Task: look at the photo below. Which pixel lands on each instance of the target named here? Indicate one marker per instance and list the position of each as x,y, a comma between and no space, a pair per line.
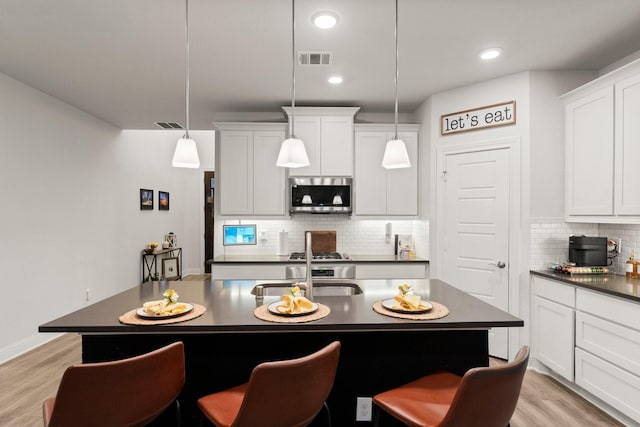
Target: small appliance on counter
587,251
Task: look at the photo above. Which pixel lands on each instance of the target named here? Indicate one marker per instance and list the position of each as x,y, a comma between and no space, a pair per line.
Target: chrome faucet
308,256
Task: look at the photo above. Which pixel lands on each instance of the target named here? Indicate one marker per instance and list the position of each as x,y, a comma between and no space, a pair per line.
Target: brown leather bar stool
280,393
485,396
127,392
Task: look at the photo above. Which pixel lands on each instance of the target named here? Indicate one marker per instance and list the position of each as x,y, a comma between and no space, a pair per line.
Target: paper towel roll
283,243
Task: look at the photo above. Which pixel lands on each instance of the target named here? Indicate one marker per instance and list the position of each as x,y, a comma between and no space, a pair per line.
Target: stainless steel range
320,256
331,265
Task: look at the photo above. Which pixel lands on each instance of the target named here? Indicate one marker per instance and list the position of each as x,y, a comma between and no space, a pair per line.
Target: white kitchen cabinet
248,271
327,134
553,335
589,139
602,133
608,350
379,191
248,180
392,270
627,146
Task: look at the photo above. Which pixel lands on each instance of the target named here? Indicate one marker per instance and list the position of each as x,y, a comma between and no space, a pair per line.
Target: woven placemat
438,311
131,318
263,313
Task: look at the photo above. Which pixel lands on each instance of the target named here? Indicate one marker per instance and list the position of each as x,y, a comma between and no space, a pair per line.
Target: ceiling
124,60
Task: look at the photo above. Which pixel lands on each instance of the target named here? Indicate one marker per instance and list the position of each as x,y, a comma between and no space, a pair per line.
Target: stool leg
326,407
376,415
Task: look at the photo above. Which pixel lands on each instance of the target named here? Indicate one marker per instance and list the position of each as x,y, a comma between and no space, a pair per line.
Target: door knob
498,264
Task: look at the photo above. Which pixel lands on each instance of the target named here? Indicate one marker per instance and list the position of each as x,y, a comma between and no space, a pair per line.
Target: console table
150,263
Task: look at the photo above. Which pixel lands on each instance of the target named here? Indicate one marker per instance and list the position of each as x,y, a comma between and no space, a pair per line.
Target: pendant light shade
395,152
186,154
292,152
395,155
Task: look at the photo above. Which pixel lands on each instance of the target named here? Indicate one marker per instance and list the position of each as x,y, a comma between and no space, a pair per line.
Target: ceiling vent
169,125
315,58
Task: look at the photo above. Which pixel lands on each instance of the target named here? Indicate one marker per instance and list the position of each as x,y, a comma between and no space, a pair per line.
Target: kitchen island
223,344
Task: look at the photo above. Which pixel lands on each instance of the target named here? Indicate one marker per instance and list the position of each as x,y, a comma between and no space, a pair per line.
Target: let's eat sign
478,118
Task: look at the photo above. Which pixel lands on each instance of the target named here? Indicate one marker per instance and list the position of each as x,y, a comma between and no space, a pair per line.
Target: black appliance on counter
588,251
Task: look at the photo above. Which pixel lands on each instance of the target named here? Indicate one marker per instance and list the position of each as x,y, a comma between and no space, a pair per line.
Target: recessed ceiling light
335,80
491,53
324,20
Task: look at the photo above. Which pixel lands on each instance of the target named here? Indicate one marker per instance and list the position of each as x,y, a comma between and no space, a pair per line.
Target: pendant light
292,152
395,153
186,154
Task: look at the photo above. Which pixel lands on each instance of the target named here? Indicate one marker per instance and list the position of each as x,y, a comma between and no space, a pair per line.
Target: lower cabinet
397,270
247,271
589,338
554,320
608,350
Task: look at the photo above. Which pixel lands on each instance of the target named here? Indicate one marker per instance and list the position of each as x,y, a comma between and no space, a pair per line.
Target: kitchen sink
320,289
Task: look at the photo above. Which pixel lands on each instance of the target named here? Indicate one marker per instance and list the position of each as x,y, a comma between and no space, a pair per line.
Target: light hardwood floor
31,378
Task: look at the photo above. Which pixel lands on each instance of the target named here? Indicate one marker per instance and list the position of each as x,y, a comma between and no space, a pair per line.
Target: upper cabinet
379,191
327,134
602,149
248,180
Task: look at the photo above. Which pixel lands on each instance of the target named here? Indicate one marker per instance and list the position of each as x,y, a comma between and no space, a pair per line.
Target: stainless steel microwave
323,195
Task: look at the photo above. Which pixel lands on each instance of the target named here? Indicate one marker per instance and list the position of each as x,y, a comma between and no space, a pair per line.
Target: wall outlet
364,408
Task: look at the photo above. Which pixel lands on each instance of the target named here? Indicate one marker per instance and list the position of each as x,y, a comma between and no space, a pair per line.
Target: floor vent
169,125
315,58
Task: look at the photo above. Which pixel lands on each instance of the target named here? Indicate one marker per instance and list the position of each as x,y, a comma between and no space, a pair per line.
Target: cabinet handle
498,264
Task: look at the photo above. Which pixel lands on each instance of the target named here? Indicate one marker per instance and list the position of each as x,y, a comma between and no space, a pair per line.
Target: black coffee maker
588,251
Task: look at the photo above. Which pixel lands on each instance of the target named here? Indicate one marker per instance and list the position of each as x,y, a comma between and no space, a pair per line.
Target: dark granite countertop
269,259
230,308
611,284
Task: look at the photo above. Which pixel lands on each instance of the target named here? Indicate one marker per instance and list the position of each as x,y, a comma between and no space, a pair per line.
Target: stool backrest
289,392
488,395
128,392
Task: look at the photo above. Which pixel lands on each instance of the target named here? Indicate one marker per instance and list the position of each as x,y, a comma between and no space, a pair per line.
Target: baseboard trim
26,344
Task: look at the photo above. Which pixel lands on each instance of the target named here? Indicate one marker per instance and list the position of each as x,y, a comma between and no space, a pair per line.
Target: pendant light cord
396,81
186,32
293,68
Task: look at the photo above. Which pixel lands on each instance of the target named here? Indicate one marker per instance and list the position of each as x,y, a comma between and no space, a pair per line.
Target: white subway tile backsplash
550,240
352,236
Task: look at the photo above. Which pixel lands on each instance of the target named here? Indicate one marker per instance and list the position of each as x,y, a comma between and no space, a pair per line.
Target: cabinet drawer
612,342
613,385
610,308
399,270
555,291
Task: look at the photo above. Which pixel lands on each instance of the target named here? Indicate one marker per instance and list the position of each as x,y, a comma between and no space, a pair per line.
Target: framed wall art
146,199
163,201
170,268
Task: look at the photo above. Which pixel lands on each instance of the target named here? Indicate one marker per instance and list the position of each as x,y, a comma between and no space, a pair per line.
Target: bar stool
484,396
127,392
280,393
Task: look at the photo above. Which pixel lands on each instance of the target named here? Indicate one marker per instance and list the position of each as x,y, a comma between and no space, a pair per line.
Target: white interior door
475,248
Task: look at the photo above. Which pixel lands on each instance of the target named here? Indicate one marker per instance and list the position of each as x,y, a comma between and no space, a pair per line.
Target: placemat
131,318
263,313
438,311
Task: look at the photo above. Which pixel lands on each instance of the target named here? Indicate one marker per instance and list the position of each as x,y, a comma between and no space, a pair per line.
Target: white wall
69,203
